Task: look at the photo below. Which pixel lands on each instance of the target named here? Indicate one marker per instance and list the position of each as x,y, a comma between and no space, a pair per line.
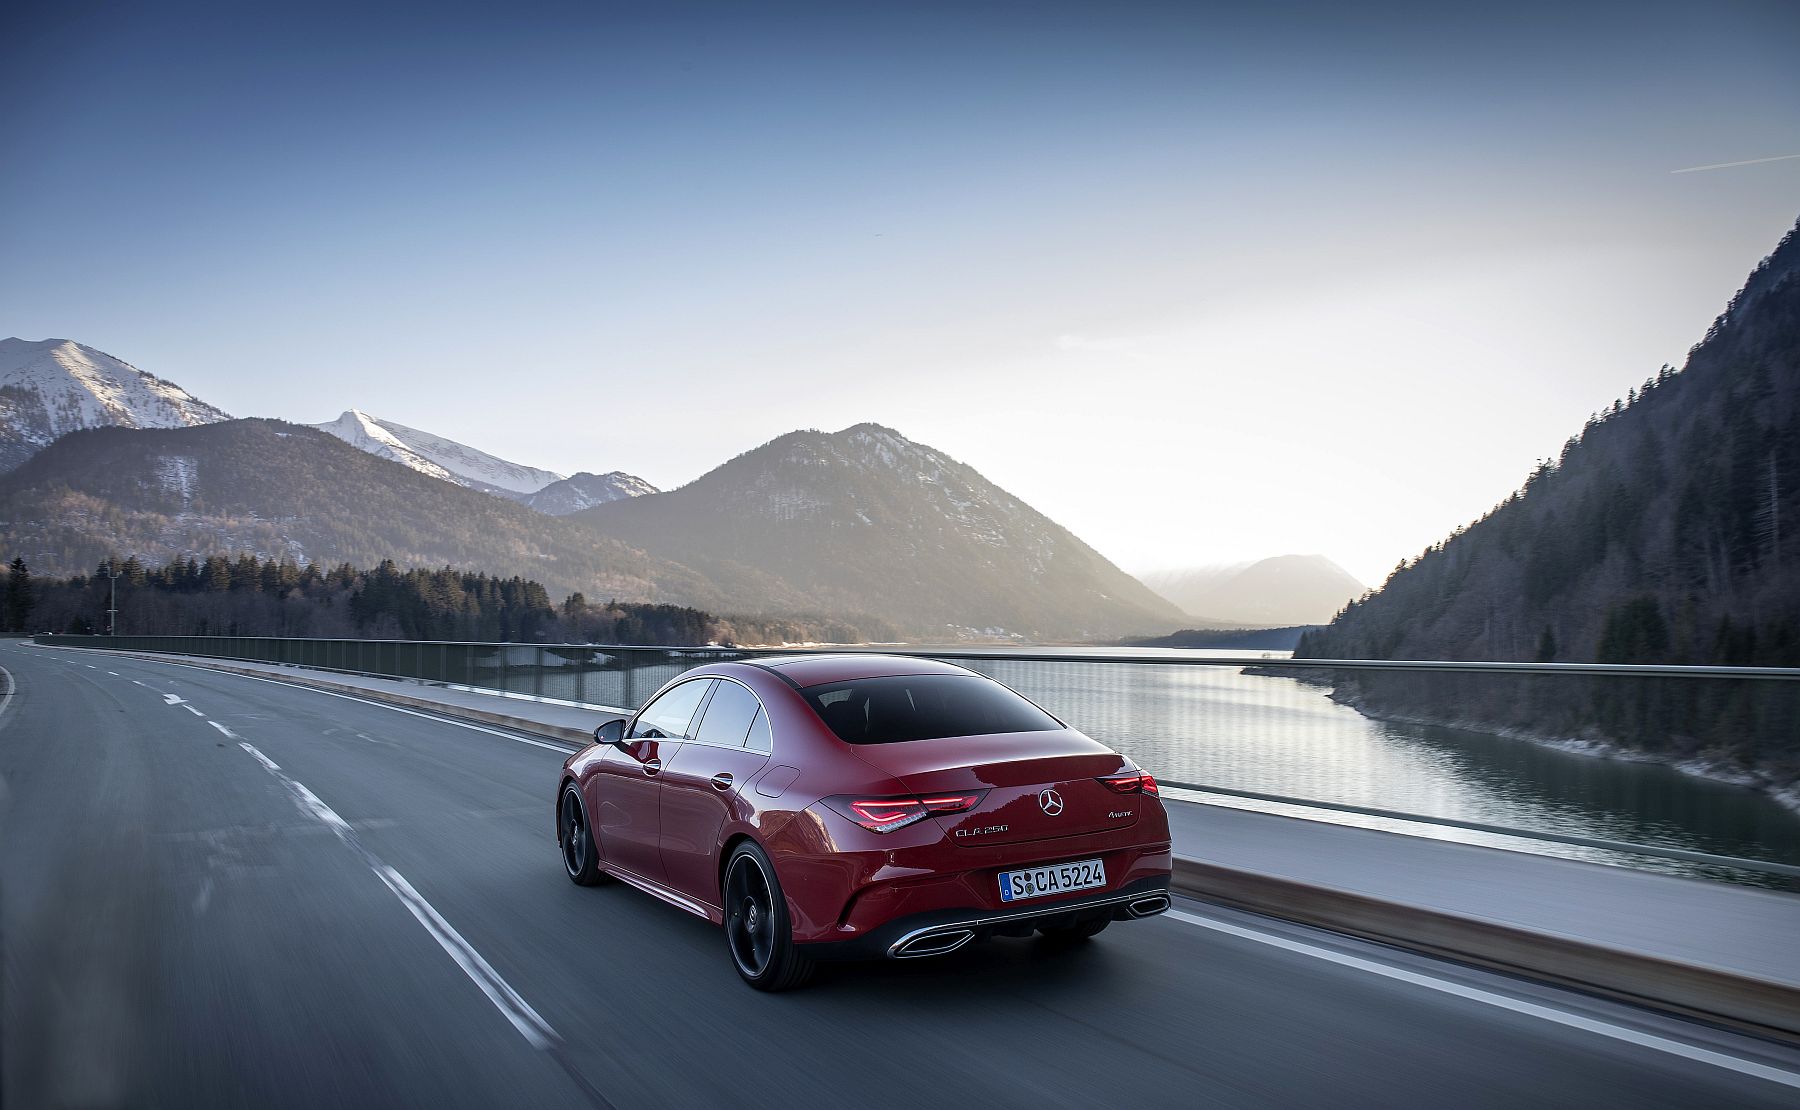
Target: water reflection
1219,726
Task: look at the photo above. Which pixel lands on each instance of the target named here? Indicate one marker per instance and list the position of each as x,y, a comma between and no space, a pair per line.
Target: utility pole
112,613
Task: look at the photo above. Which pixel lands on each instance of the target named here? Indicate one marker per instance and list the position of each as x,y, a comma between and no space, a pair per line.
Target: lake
1217,726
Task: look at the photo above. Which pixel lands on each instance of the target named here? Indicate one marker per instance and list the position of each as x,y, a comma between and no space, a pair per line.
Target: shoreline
1786,795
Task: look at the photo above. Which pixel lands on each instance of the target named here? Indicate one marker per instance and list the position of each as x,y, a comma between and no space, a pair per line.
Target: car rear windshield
923,707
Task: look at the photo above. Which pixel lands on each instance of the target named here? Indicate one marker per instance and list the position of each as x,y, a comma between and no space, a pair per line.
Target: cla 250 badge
981,832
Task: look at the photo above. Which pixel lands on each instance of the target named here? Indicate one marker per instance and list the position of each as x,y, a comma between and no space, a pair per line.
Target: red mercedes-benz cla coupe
828,807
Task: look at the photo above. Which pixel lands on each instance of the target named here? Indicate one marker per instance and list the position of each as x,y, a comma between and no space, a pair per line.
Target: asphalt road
225,891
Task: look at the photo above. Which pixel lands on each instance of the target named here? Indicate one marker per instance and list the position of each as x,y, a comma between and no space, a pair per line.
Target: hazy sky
1200,284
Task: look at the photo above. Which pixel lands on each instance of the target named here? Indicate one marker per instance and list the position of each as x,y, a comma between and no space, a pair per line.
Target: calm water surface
1218,726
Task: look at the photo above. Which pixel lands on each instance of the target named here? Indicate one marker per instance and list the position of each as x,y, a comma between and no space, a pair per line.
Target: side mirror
612,732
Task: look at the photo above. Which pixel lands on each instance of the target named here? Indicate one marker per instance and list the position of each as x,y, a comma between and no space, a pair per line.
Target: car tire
758,932
581,860
1079,931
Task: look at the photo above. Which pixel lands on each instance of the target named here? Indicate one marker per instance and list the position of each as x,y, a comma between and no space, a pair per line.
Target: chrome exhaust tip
1148,906
932,944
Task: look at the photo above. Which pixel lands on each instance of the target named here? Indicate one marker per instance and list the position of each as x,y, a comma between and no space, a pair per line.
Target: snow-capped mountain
584,491
51,387
439,457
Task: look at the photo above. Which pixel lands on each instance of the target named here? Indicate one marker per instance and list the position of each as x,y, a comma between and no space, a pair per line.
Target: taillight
1131,782
953,803
884,815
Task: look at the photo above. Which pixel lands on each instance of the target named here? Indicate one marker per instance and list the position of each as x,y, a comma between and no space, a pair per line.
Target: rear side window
728,716
923,707
760,738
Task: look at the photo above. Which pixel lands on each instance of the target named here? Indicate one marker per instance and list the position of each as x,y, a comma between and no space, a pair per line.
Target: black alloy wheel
580,859
757,929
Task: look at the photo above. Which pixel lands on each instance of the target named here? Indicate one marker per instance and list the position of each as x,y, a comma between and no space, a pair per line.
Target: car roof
817,670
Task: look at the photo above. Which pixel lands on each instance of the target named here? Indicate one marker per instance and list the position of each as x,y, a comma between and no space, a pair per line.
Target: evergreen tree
1546,649
19,598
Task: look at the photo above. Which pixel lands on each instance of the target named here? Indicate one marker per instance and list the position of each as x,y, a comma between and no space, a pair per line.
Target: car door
626,793
700,788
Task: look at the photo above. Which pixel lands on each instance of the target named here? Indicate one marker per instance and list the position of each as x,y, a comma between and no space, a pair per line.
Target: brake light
1131,782
954,803
884,815
887,814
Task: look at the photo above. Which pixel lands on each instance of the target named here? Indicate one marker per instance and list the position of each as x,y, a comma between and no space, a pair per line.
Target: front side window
923,707
670,715
728,716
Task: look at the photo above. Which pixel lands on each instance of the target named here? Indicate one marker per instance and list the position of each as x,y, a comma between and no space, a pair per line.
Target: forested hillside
1667,531
276,489
247,596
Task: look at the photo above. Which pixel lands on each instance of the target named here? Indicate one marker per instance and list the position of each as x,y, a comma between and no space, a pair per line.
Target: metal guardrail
626,675
1737,862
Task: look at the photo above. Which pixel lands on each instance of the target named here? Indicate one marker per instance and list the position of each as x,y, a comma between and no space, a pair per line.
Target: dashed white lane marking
566,749
194,711
536,1031
1516,1005
230,735
115,674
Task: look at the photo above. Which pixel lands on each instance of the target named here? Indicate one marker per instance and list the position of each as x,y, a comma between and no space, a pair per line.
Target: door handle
722,781
652,766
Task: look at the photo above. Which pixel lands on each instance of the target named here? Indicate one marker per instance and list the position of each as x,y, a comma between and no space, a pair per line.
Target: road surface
219,890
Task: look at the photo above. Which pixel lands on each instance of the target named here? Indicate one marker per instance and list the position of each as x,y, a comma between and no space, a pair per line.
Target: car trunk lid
1039,785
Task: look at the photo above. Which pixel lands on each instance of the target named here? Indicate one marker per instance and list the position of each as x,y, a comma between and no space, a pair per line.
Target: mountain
1278,592
867,521
272,488
584,491
1668,531
55,386
441,458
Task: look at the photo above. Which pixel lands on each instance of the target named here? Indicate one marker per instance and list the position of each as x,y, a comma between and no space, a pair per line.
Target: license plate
1038,882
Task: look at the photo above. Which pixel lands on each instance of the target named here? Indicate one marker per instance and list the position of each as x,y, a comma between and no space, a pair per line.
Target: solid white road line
536,1031
1517,1006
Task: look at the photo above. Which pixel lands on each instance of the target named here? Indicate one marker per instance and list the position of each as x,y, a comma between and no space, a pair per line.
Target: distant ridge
1282,591
584,491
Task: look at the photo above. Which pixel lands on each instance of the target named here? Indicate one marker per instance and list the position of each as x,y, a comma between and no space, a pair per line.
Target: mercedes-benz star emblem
1051,802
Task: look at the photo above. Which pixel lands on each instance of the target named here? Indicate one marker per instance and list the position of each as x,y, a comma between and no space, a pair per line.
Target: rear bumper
938,932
